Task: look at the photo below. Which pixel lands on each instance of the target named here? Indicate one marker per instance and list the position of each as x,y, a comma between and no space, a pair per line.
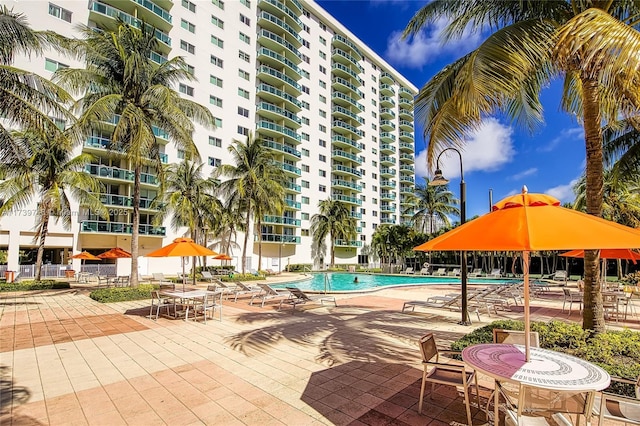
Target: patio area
66,359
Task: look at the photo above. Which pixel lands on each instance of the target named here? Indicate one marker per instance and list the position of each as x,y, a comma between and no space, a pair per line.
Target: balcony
405,103
347,44
356,215
267,127
387,160
340,55
293,204
346,100
281,220
122,201
387,125
339,111
386,148
114,173
289,168
273,41
406,125
338,183
89,226
406,114
345,128
387,195
405,93
405,178
343,154
387,137
347,72
406,158
272,22
279,238
405,200
268,92
339,83
347,199
292,186
388,184
387,78
339,140
269,56
406,189
387,113
339,169
279,8
158,132
285,149
406,146
387,208
388,220
406,136
387,101
406,168
275,113
347,243
276,78
386,172
387,90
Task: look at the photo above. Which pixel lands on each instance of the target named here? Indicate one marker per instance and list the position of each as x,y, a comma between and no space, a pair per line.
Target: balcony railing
121,228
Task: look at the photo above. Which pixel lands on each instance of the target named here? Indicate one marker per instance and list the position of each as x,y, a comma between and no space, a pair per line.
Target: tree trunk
593,313
135,227
259,225
44,229
194,237
246,240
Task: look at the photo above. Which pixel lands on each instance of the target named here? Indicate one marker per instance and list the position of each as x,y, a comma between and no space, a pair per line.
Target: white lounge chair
424,271
559,276
476,273
454,272
269,293
495,273
409,270
299,297
440,272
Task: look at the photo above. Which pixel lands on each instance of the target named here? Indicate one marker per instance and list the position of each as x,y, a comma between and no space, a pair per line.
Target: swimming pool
341,281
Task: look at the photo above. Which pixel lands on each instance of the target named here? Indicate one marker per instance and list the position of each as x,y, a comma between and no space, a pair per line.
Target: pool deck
66,359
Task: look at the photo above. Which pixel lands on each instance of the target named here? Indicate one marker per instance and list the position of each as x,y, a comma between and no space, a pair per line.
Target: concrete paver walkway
66,359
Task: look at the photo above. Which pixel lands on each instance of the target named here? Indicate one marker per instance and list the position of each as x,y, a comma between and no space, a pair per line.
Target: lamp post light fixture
438,180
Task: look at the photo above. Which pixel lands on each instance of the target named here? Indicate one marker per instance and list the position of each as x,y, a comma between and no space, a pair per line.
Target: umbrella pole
183,278
527,319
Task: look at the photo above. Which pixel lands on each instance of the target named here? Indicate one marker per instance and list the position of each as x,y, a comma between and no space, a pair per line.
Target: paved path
66,359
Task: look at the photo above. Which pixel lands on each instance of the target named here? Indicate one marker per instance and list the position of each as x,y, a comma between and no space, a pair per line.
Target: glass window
322,188
217,61
215,101
245,38
217,21
305,184
244,74
322,173
215,80
243,93
245,20
51,65
213,141
217,121
305,168
184,89
215,162
59,12
217,41
219,3
305,200
244,56
243,112
246,3
305,152
243,130
189,6
188,26
187,47
304,216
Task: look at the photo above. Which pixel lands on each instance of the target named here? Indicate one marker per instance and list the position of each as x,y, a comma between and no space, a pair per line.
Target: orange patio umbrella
115,253
84,255
182,247
527,222
625,254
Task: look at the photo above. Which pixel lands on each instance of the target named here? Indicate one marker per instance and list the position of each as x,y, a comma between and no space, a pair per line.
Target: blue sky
500,156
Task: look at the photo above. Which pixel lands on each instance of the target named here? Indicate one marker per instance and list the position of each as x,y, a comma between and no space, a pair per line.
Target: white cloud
525,173
487,150
564,193
426,46
574,133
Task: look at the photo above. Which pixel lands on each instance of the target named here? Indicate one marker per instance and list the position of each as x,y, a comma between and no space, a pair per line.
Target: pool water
340,281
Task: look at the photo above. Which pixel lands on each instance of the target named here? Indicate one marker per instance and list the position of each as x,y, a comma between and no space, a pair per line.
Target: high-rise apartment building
338,118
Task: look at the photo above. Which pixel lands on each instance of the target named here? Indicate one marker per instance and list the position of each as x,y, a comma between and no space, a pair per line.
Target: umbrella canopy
223,256
526,222
625,254
115,253
182,247
85,255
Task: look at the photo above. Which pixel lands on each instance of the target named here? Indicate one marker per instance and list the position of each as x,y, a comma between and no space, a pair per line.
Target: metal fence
59,270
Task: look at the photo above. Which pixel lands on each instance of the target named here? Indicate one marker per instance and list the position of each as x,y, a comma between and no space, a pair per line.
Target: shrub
631,279
617,352
27,285
299,267
123,294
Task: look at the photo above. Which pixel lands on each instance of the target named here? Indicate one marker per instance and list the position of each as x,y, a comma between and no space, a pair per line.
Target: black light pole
438,180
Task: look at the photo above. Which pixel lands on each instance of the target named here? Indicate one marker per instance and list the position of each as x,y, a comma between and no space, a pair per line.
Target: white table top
190,294
546,369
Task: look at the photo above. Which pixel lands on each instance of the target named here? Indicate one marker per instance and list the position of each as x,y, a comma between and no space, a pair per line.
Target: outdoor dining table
546,369
189,298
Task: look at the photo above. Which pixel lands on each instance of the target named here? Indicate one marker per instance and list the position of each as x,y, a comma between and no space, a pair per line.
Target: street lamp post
438,180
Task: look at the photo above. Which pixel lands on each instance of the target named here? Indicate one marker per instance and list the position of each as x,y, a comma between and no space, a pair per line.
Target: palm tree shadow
10,395
341,336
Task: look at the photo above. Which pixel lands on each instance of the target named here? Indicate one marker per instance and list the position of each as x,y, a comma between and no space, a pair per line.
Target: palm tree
334,220
121,80
189,197
47,171
432,204
255,182
592,44
26,99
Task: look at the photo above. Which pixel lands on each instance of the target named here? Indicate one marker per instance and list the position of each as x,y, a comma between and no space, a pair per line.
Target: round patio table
546,369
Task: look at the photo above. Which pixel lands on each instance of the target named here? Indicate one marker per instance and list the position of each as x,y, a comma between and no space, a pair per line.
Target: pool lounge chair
269,293
559,276
440,272
243,289
299,297
454,272
451,302
476,273
409,270
495,273
424,271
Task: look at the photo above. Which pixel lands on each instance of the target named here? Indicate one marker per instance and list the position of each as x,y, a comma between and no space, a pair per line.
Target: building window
305,152
219,3
305,58
373,175
322,188
188,26
374,91
373,126
244,56
322,69
363,198
51,65
215,162
305,200
373,77
375,213
305,74
323,27
217,61
322,158
306,43
322,54
323,40
59,12
304,232
305,184
243,112
322,173
181,154
322,128
374,163
215,101
246,3
189,6
243,93
187,47
374,188
305,105
322,143
217,41
244,74
374,114
305,89
374,200
217,21
245,20
306,13
306,28
305,136
322,84
190,69
217,122
363,211
213,141
323,99
184,89
322,113
243,131
215,80
245,38
304,216
305,120
305,168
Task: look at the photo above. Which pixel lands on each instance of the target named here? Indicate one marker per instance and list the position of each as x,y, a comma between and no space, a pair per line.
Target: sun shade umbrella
527,222
182,247
625,254
115,253
85,255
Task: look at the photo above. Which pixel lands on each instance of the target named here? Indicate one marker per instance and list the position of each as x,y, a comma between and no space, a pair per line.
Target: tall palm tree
334,220
255,181
593,44
432,204
121,79
188,196
47,171
26,100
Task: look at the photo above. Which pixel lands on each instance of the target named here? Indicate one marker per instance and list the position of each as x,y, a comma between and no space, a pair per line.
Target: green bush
617,352
26,285
299,267
123,294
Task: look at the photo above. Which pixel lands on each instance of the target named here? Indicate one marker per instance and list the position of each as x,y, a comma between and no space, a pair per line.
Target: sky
500,158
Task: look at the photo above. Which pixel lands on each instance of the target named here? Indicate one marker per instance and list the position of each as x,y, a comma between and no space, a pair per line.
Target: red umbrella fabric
85,255
115,253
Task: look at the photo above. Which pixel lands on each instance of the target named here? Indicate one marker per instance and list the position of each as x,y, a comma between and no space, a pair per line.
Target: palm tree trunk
44,229
259,226
194,237
246,240
135,226
593,313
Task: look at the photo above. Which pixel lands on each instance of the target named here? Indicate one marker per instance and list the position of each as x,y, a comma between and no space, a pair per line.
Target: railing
279,22
59,270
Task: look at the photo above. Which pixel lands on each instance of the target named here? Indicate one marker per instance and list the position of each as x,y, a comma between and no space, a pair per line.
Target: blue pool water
340,281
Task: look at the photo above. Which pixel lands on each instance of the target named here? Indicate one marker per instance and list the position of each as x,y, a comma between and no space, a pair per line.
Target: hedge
26,285
617,352
123,294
